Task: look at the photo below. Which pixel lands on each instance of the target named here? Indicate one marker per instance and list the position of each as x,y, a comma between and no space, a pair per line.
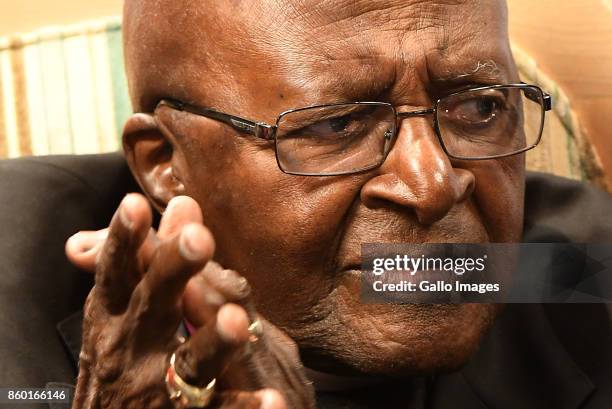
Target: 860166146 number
34,395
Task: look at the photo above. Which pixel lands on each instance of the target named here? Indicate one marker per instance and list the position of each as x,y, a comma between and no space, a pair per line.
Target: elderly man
265,205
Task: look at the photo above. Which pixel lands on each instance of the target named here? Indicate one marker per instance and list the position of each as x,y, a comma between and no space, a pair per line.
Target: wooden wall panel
572,42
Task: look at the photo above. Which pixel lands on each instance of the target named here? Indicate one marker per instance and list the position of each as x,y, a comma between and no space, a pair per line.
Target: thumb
83,248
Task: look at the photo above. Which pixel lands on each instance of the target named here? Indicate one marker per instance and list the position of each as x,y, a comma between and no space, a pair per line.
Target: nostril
373,202
428,216
466,183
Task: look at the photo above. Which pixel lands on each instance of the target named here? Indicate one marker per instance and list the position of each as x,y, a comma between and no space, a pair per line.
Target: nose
418,174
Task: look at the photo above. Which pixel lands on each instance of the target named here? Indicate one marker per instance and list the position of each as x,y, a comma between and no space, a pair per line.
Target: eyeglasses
487,122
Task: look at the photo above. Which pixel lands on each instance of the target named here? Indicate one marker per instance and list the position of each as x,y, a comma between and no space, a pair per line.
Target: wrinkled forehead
337,49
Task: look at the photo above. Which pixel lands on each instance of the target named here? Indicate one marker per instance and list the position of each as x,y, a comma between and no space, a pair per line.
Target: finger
213,347
229,284
118,270
207,291
233,323
261,399
83,248
158,297
201,302
180,211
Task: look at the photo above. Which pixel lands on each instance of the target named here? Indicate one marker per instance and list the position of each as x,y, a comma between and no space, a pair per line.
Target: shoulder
39,186
560,209
44,200
94,172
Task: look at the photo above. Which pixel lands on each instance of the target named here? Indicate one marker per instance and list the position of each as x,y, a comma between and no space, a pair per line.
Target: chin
395,340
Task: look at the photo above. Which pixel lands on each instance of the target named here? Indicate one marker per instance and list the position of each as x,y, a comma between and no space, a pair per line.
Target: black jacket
556,356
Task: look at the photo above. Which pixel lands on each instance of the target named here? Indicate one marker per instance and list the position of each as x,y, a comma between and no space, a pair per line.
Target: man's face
297,239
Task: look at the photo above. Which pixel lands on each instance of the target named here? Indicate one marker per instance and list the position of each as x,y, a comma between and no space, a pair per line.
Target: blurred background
562,44
28,15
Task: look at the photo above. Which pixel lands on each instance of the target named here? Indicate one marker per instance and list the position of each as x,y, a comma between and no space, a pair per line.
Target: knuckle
86,358
130,382
108,368
110,360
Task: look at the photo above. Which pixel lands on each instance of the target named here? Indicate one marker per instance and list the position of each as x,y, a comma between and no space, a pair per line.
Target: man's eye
338,125
331,127
476,111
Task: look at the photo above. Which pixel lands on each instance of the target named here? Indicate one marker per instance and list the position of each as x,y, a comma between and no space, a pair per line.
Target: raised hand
146,283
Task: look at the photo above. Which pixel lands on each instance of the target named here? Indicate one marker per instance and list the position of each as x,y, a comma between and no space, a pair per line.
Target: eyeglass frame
267,131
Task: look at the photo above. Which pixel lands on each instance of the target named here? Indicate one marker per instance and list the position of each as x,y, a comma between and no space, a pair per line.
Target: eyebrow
483,72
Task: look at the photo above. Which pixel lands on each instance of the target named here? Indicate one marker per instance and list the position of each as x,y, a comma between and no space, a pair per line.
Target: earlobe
149,153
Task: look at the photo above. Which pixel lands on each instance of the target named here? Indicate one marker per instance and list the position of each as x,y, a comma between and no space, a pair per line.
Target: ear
149,153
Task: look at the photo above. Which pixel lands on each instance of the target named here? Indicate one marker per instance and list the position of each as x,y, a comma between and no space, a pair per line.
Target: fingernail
232,323
223,331
192,244
269,400
81,243
74,243
76,237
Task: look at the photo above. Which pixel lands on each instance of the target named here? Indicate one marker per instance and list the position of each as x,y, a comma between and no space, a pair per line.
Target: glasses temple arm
546,100
258,129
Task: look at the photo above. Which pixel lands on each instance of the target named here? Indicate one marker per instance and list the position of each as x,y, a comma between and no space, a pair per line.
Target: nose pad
388,141
390,136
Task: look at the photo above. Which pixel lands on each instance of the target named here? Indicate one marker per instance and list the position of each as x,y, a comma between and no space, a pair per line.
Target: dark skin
296,240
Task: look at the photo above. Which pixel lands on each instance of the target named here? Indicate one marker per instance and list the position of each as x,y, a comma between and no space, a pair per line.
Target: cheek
279,231
499,195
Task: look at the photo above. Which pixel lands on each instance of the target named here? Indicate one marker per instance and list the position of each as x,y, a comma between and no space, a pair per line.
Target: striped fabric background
63,90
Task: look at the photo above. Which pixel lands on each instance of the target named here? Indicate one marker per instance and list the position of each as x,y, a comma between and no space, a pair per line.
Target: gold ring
255,331
184,395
